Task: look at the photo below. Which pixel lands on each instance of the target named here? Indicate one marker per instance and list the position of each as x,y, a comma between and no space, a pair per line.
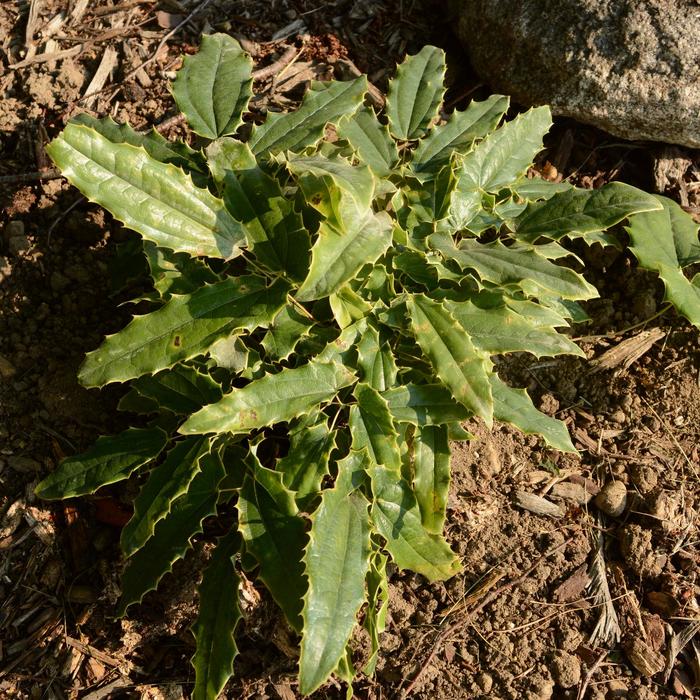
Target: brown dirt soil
518,621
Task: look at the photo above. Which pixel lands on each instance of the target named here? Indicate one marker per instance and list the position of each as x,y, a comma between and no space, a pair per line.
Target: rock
643,657
566,669
571,492
541,689
631,68
644,477
612,499
485,682
616,689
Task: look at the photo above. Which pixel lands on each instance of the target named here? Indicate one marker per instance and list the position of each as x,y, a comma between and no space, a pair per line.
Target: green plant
326,303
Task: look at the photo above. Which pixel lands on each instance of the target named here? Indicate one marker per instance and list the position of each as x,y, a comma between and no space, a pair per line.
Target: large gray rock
631,67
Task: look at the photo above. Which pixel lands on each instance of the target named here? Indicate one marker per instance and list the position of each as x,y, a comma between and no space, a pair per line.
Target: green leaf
514,406
457,363
370,139
213,87
663,241
457,134
338,254
415,93
274,230
167,482
274,535
397,519
176,273
348,306
499,330
286,330
184,327
273,399
172,535
306,463
376,361
505,155
215,626
181,389
424,404
521,266
372,428
110,459
323,103
155,199
377,606
578,212
431,480
535,188
336,562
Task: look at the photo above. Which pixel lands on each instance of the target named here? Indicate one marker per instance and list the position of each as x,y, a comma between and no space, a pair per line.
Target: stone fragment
566,669
612,499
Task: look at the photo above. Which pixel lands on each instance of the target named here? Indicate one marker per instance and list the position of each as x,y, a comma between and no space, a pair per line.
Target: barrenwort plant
328,294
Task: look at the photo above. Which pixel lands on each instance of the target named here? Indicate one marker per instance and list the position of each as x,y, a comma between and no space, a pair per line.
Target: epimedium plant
328,294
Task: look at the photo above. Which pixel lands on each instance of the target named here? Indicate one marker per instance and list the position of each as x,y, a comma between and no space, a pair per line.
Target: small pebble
612,499
485,682
566,669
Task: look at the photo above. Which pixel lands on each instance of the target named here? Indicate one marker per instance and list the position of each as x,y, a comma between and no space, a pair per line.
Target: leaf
499,330
184,327
370,139
505,155
431,480
397,519
154,199
274,535
181,389
213,87
372,429
348,306
110,459
457,363
424,404
524,267
323,103
287,329
578,212
377,606
376,361
172,535
663,241
167,482
457,134
339,254
415,93
306,463
336,562
535,188
274,230
273,399
215,626
514,406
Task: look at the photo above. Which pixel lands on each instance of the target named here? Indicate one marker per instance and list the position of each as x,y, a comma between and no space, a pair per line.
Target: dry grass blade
677,644
607,629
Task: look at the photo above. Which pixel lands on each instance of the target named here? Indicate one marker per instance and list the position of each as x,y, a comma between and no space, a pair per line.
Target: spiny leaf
431,480
377,605
154,199
424,404
348,306
514,406
184,327
213,87
323,103
663,241
397,518
370,139
500,330
578,213
457,363
457,134
376,361
336,562
172,535
372,429
110,459
215,626
176,273
415,93
274,230
167,482
288,327
274,535
272,399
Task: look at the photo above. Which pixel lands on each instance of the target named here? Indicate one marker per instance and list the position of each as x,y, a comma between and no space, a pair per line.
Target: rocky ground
580,576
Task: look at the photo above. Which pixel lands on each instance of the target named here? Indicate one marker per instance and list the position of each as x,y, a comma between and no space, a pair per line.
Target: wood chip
628,351
538,505
108,63
573,587
647,661
571,492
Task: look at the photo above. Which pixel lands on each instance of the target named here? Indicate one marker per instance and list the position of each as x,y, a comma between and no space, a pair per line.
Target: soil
520,620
